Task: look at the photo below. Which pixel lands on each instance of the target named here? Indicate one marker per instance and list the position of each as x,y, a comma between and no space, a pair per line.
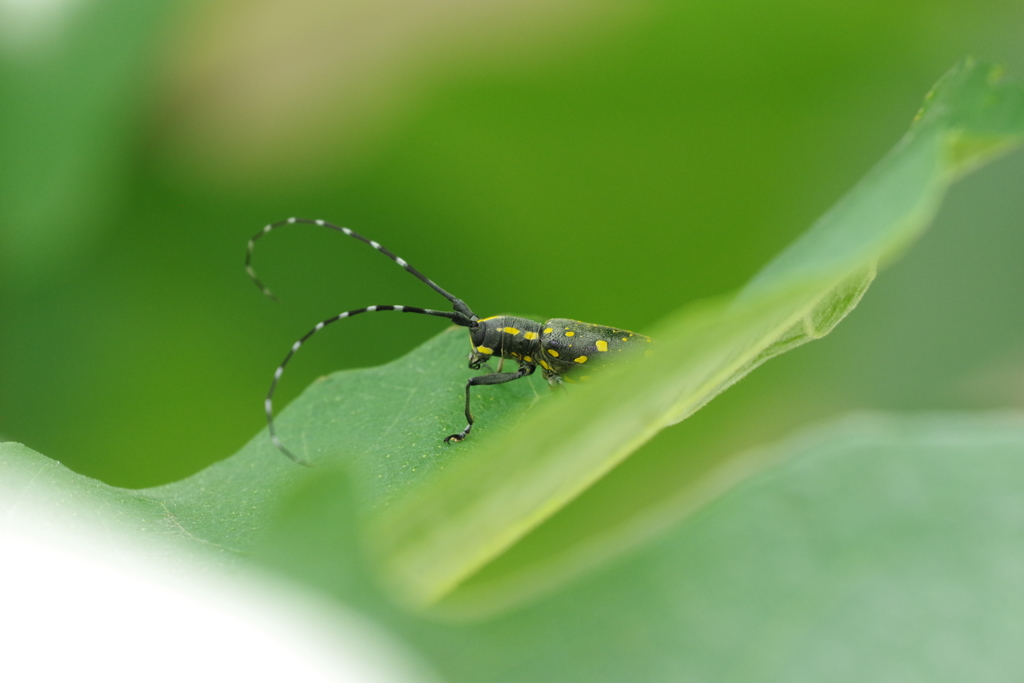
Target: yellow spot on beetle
552,352
544,364
528,359
511,330
624,339
602,345
483,320
531,335
570,334
485,349
548,330
580,359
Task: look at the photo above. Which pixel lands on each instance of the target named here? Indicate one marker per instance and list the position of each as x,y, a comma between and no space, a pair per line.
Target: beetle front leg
525,369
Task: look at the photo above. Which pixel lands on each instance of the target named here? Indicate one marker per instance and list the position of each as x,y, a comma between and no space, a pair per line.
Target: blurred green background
603,161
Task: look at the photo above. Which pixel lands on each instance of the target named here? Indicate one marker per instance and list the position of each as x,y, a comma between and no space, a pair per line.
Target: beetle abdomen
570,346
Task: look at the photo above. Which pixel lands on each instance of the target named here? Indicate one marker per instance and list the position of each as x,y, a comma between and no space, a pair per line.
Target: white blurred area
28,23
71,615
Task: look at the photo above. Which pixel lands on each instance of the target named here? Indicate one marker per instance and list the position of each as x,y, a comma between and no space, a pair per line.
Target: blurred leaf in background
277,92
74,78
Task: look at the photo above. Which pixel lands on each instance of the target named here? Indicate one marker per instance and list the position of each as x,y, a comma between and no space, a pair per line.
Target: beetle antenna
455,317
459,305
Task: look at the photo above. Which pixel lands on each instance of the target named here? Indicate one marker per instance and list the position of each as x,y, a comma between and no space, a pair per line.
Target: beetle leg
525,369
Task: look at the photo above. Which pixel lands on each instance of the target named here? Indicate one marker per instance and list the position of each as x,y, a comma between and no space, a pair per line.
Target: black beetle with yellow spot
566,350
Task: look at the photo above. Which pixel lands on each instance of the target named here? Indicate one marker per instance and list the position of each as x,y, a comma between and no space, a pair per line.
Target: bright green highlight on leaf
432,515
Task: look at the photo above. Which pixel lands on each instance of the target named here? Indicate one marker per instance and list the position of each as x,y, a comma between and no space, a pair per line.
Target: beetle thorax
505,336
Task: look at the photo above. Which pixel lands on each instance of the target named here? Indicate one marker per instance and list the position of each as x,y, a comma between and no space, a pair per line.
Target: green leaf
882,548
479,507
385,424
30,483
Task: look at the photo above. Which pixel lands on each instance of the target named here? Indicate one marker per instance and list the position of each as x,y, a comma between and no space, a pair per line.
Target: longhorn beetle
563,348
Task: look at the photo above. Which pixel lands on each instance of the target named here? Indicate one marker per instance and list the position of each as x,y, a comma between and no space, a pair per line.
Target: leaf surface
884,548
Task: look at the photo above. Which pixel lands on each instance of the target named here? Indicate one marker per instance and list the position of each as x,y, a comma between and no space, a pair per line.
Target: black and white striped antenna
461,315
